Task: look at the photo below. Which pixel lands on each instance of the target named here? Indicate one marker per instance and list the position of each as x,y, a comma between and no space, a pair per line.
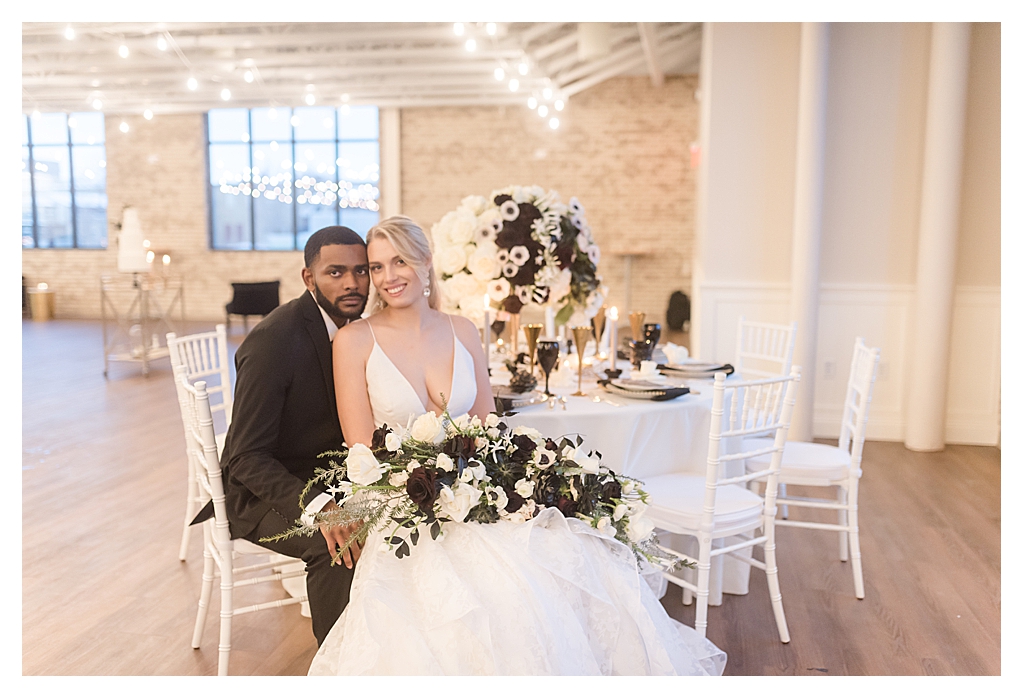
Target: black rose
566,506
380,438
528,212
512,304
460,445
524,447
611,490
422,488
501,198
515,501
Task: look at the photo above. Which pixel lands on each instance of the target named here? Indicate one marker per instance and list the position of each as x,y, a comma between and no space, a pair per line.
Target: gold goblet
636,318
581,336
532,335
598,326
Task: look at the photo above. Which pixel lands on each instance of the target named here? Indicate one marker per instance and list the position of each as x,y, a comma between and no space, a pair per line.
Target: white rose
636,508
525,487
589,464
482,262
638,529
460,285
463,227
481,443
620,511
498,497
456,502
476,204
471,307
392,442
412,465
451,259
492,420
528,431
605,526
561,285
594,254
628,486
498,289
428,429
363,467
445,463
398,479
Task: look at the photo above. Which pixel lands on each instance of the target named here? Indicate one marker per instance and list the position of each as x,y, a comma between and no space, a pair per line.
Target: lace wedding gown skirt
548,597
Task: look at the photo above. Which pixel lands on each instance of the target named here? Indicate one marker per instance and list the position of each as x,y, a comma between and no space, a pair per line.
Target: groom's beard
337,312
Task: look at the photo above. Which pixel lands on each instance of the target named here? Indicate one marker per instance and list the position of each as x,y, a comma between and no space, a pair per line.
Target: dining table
639,438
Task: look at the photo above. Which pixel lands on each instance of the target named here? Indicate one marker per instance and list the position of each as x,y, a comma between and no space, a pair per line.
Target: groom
285,414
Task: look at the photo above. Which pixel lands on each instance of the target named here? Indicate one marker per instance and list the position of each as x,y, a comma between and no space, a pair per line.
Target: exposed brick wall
622,149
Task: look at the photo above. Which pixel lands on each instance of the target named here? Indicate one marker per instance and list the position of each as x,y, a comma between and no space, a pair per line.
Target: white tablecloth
641,438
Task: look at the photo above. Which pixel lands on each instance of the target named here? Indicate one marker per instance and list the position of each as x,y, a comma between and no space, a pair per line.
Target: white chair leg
854,542
687,596
703,585
843,520
204,598
771,563
784,507
226,613
193,493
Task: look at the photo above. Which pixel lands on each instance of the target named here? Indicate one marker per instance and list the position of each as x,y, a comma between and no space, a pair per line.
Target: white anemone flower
510,270
519,255
509,210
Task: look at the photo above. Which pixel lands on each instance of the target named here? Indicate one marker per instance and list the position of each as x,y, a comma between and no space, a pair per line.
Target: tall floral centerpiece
520,246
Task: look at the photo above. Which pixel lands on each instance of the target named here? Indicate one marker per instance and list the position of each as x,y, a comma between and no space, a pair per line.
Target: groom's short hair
331,235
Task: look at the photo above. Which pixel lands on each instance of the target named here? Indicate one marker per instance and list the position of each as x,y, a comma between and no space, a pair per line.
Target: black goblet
652,331
547,356
642,350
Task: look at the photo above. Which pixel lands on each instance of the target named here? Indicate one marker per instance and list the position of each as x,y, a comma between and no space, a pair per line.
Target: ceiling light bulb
459,28
548,93
193,84
531,102
294,121
470,44
248,76
554,122
97,105
225,94
124,127
559,105
542,111
344,97
499,73
513,85
123,51
523,68
491,28
161,43
69,33
148,114
345,109
310,99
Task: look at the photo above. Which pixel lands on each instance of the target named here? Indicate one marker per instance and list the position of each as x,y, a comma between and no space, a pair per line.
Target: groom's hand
338,536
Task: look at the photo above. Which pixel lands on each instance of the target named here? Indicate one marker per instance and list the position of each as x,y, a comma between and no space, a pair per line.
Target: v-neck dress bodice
393,399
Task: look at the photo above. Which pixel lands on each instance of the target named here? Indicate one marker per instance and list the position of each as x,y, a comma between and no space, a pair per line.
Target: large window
279,175
63,181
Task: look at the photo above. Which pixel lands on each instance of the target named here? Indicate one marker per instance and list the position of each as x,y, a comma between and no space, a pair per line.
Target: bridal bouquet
520,246
441,470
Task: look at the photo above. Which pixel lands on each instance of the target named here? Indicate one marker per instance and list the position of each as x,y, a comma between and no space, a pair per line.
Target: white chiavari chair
821,465
203,357
713,507
219,551
763,349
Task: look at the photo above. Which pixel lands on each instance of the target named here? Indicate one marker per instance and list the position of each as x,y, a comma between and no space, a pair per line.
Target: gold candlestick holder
598,326
636,319
513,325
581,336
532,333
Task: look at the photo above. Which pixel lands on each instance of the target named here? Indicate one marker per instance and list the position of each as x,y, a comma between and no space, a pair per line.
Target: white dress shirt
320,500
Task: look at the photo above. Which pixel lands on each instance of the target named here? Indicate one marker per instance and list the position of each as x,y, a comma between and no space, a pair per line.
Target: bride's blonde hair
410,242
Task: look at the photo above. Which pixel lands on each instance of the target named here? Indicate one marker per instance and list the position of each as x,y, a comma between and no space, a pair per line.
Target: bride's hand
338,536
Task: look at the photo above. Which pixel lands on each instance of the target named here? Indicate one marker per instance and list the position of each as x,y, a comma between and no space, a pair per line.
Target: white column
390,162
939,224
806,230
697,337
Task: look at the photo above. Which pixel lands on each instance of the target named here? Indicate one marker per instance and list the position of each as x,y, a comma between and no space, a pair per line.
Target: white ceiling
387,64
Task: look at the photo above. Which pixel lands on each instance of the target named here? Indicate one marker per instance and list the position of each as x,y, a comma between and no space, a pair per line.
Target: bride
545,597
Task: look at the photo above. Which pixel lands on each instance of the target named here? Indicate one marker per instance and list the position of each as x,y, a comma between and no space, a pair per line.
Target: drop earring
426,291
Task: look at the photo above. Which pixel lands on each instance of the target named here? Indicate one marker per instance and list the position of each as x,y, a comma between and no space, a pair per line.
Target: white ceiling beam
624,66
648,38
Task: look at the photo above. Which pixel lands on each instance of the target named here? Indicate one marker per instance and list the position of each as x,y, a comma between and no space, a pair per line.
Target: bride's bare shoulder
464,328
355,337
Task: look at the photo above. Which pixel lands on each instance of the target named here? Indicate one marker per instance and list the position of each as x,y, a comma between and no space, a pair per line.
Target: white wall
877,90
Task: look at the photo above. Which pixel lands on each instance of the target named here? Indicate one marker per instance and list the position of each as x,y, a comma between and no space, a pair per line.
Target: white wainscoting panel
881,313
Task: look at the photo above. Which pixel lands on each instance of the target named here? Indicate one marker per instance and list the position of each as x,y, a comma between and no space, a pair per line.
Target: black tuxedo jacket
284,415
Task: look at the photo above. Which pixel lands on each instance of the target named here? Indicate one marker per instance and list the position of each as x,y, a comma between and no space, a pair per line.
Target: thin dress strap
452,323
370,325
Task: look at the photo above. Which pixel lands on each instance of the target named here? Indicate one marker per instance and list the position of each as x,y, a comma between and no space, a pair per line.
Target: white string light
310,99
248,76
225,94
124,127
513,85
193,84
345,110
123,51
542,111
559,105
459,29
523,68
531,102
69,33
499,73
548,93
161,43
554,123
491,28
470,45
148,114
97,104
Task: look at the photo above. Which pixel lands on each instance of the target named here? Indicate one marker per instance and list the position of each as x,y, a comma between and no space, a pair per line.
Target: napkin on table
676,354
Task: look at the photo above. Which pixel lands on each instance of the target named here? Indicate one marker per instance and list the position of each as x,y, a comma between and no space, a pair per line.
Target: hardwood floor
103,593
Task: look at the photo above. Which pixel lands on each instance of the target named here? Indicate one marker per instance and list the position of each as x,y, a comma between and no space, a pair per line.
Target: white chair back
862,374
204,356
763,349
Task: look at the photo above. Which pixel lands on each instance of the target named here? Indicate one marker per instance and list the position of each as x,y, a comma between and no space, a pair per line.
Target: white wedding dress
547,597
